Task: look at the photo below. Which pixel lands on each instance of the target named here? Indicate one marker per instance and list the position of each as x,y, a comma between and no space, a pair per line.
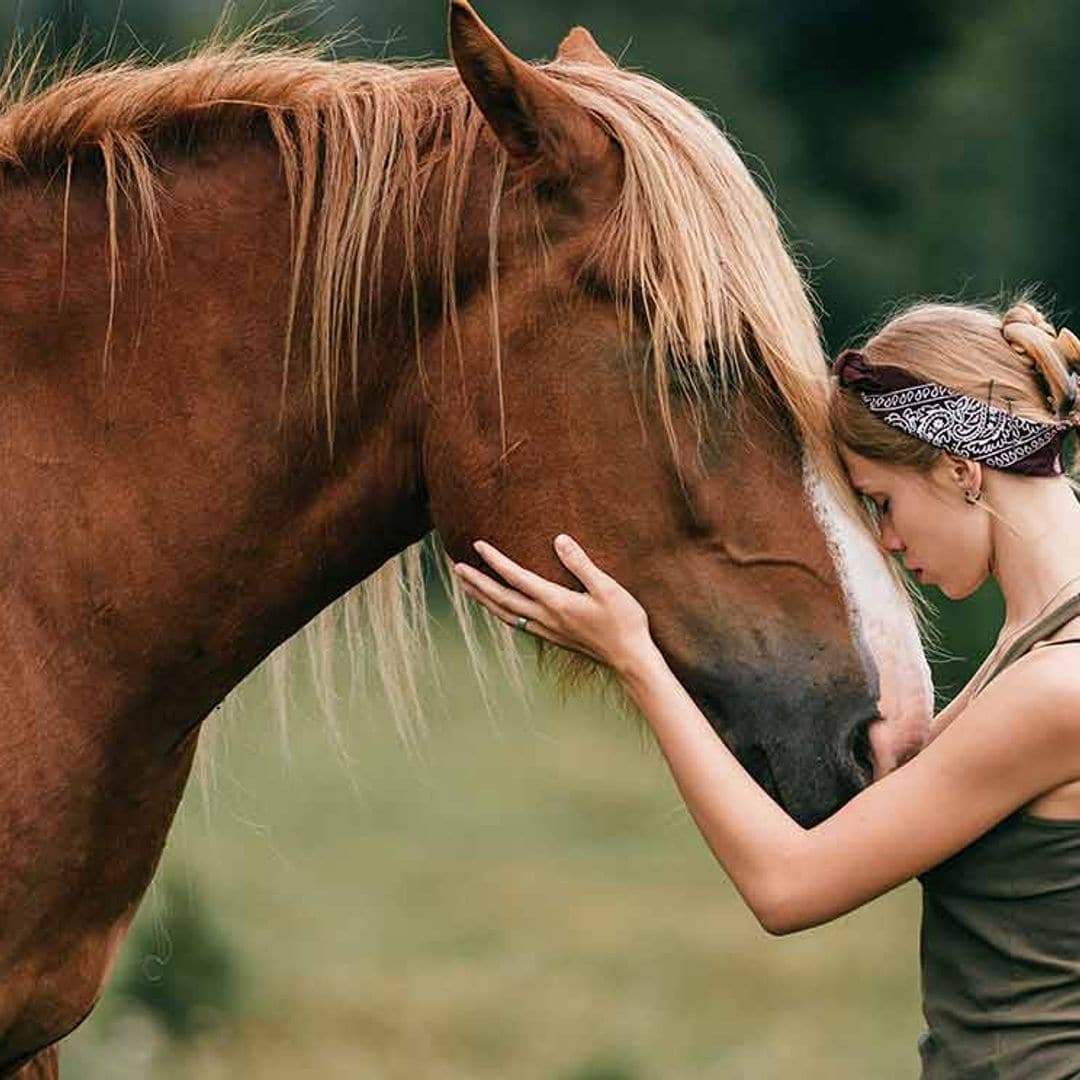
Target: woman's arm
1003,752
1020,738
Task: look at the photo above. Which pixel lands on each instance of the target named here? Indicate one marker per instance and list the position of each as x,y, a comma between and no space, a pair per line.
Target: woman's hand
605,622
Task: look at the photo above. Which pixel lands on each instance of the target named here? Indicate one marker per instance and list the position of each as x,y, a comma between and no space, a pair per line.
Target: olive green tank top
1000,949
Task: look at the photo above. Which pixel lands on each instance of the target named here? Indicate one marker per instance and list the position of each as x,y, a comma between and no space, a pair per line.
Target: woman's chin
960,592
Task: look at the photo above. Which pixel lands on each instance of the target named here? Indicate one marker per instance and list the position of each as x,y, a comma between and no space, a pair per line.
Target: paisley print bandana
951,421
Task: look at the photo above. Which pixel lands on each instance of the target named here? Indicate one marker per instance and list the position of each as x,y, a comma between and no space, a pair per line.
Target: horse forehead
881,616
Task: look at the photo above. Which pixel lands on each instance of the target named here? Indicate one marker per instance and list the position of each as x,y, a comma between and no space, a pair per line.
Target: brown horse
266,321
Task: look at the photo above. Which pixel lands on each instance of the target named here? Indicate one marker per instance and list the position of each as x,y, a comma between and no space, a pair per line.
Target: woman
950,421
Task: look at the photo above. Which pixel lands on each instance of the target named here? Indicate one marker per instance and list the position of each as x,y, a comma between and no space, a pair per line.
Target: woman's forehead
865,473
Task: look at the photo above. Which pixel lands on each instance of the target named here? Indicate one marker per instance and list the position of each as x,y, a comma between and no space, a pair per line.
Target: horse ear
534,118
580,47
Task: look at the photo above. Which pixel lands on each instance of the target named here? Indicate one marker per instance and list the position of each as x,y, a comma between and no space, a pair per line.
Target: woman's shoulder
1054,671
1049,673
1047,677
1039,694
1015,743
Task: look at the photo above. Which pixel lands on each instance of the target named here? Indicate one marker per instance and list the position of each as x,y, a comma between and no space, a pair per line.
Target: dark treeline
914,148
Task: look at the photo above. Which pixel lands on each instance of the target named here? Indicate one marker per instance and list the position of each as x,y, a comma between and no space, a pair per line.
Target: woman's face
925,521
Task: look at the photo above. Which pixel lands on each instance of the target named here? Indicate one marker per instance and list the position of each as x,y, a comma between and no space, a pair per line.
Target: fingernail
477,544
564,541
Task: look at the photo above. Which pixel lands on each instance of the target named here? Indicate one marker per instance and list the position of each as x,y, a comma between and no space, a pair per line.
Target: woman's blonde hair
1016,361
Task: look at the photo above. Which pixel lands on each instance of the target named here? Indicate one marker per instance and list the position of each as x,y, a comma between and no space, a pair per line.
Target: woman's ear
967,475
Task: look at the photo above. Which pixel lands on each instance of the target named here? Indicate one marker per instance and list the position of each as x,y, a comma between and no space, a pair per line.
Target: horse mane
693,246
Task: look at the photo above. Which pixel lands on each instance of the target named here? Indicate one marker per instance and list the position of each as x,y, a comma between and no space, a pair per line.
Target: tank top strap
1048,625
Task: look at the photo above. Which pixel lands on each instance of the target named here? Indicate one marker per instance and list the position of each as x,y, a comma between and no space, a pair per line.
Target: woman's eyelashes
876,506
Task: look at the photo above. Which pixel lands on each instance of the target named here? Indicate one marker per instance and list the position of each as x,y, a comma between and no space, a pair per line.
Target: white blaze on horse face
883,625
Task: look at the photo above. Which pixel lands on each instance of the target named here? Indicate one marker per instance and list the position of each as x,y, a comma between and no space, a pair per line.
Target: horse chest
52,988
80,849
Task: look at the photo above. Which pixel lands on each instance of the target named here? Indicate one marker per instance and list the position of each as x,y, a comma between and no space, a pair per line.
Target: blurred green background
523,895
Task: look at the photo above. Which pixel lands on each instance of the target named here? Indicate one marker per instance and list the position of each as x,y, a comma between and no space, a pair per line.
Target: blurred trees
179,966
915,148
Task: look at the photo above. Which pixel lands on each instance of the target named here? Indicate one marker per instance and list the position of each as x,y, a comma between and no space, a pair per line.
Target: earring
972,497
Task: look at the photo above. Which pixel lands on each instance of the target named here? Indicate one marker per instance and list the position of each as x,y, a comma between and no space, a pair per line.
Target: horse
269,320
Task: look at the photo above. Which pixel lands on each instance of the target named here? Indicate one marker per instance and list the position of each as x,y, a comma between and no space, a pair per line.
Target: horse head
634,360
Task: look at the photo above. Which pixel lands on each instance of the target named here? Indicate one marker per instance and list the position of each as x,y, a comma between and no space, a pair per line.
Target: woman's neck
1035,553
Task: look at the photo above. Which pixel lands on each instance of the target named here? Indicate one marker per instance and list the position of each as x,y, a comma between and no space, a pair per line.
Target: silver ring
520,623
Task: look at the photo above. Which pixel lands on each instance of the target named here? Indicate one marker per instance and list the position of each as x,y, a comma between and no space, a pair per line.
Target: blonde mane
693,243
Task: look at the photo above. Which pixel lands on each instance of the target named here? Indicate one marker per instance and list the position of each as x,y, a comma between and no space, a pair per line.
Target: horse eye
714,365
703,375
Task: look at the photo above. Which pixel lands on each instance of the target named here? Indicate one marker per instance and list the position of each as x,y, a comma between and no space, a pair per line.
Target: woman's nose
890,541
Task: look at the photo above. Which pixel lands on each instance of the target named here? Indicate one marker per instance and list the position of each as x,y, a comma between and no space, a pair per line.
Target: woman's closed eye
877,508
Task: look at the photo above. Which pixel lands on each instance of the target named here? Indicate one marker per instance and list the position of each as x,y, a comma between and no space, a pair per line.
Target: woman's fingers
572,556
508,615
533,585
487,588
534,626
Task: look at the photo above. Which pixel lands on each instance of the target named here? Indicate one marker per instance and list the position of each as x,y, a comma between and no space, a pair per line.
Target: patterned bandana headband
951,421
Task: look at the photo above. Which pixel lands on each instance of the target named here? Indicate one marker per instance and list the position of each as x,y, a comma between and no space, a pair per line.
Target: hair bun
1054,354
1027,314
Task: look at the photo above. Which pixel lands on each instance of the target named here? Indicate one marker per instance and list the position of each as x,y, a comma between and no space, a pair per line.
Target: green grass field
522,897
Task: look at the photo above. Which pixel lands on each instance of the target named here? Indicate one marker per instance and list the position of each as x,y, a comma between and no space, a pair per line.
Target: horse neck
178,517
168,520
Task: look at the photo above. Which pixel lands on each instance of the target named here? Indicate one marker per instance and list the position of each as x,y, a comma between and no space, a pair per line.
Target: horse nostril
862,754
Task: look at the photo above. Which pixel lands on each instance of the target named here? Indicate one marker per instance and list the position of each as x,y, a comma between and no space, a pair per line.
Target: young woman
951,421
